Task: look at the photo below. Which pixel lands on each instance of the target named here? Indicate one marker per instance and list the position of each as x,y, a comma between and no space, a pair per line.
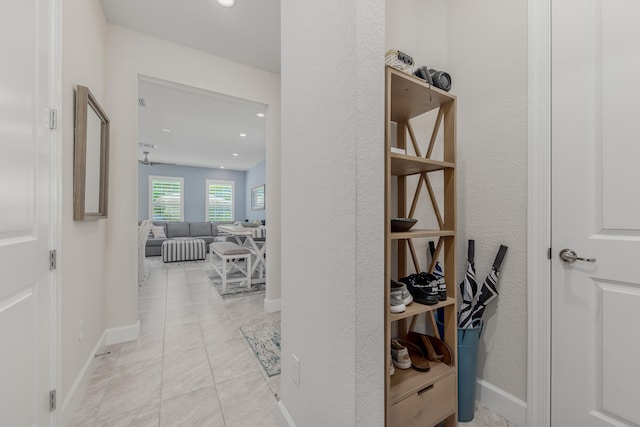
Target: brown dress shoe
418,361
435,349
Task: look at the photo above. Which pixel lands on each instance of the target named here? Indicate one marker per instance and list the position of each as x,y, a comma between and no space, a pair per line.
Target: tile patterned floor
190,365
487,418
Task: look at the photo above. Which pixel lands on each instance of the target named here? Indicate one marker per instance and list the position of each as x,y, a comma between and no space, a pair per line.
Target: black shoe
438,283
442,289
429,279
422,294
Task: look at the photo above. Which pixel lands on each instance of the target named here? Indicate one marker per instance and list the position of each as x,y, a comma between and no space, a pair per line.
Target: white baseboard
501,402
271,305
284,419
123,334
76,392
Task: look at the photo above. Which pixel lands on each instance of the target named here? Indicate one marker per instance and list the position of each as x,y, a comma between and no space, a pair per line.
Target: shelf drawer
426,407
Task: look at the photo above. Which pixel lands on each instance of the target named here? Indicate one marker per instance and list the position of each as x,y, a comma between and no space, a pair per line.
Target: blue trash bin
468,340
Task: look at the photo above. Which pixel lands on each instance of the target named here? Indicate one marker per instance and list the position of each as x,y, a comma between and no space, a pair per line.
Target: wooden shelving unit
416,398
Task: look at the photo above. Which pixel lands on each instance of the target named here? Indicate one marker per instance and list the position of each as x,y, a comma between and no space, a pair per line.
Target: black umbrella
489,289
439,274
442,289
468,289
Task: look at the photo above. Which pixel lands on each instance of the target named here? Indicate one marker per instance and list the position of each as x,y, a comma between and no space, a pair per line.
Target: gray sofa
206,231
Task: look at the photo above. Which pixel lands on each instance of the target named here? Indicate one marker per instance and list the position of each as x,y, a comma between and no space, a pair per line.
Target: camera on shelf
399,60
439,79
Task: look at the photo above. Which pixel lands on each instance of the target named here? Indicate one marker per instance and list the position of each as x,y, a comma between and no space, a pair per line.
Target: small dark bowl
402,224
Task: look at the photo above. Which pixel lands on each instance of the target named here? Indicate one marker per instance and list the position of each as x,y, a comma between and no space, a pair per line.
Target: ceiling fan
146,162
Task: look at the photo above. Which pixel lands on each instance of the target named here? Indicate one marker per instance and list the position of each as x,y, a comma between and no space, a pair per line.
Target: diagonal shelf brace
414,140
434,134
416,196
412,249
432,196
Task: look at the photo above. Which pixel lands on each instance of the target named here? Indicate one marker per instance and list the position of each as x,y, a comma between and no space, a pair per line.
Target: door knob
570,256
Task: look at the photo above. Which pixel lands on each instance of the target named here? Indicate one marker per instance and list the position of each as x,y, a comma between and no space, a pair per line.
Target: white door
25,191
596,212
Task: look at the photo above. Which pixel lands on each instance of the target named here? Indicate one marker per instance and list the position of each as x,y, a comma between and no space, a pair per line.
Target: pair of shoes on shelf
422,287
406,355
392,369
400,297
434,348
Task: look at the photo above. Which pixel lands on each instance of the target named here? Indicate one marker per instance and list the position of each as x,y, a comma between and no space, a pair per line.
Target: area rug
235,289
264,339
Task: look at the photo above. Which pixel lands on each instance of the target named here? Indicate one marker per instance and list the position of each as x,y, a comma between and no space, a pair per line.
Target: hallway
190,365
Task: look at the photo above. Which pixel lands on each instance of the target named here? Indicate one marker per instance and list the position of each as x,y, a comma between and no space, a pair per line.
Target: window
166,202
219,201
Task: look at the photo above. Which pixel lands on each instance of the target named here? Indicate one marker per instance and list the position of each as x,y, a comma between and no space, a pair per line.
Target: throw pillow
178,229
158,232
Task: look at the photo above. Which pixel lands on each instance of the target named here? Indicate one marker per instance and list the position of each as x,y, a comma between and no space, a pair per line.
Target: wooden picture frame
91,158
257,198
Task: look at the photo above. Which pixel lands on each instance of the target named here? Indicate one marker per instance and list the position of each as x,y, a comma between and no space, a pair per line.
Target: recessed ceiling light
243,134
235,154
226,3
166,130
260,114
221,167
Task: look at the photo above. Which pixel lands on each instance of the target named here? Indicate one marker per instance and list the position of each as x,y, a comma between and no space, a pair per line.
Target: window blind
219,201
166,199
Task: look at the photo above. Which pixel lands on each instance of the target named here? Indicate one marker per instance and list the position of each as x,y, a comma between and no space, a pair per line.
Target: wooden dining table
257,248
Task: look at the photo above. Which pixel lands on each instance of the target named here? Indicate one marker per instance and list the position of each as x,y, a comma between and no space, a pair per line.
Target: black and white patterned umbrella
437,270
489,289
468,289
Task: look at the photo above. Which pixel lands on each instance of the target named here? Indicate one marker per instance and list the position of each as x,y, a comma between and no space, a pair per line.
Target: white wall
83,245
132,54
332,199
483,45
416,27
488,62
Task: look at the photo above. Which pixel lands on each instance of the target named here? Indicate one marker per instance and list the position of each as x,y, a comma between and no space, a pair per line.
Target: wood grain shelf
415,234
412,96
411,397
404,165
408,381
415,308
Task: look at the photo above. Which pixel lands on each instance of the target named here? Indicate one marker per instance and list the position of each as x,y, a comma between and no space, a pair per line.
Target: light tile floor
484,417
190,365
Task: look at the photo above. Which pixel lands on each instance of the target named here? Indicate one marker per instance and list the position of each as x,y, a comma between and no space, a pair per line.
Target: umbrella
437,271
442,288
439,274
468,289
488,289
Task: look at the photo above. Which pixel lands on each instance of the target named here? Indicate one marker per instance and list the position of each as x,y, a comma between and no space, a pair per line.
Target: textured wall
195,192
483,45
83,243
332,245
488,61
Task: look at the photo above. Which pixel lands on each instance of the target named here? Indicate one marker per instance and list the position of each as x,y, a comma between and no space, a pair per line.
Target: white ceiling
248,32
204,127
